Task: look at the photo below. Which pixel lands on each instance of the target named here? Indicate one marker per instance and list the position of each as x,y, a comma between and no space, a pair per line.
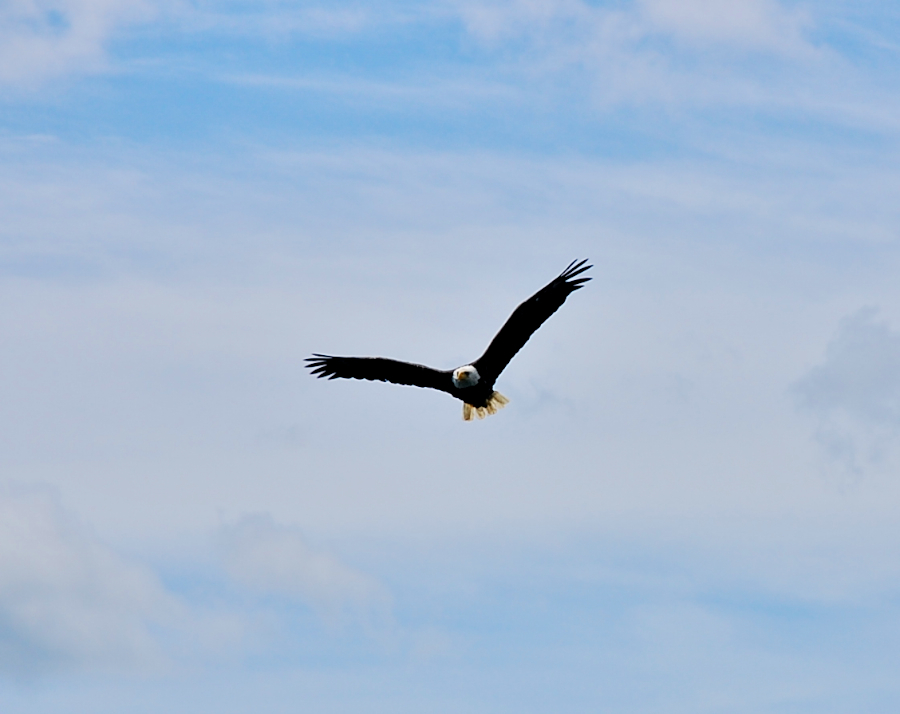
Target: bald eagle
473,383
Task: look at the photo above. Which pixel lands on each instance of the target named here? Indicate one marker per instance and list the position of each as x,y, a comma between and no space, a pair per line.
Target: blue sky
689,504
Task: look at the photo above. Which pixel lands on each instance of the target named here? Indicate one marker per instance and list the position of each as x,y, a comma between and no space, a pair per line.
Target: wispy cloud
559,55
268,559
651,50
748,25
443,93
737,25
278,19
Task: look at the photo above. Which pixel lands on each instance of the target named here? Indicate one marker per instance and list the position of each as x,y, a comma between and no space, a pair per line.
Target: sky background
690,504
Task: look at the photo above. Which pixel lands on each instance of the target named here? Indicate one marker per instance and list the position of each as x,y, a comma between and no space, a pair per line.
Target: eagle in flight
473,383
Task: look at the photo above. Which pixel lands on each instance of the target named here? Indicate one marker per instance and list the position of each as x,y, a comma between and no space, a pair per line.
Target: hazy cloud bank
68,602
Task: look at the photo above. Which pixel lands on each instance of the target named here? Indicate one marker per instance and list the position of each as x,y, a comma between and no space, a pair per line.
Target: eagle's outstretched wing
526,318
380,369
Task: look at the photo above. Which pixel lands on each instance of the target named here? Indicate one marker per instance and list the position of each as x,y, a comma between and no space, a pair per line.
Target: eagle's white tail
495,404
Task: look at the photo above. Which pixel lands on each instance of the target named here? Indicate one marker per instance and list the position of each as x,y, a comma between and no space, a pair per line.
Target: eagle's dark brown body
480,397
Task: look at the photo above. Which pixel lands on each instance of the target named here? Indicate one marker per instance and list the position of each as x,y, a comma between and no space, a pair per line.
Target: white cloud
66,600
46,38
271,559
855,393
757,24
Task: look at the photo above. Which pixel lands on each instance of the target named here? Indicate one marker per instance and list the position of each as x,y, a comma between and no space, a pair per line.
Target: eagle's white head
465,376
